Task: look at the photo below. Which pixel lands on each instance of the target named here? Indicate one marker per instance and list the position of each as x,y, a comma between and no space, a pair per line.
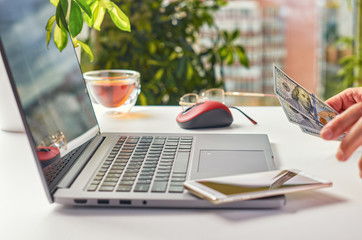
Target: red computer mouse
48,155
205,115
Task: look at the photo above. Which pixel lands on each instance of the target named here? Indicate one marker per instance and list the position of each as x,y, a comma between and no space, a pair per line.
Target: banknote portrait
303,101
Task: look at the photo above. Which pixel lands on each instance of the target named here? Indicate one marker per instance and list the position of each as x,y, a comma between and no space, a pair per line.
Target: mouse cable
251,120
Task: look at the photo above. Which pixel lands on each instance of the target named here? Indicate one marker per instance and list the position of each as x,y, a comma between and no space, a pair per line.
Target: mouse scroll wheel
188,109
43,150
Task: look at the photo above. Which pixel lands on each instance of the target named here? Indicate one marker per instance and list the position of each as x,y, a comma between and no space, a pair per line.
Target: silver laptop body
108,169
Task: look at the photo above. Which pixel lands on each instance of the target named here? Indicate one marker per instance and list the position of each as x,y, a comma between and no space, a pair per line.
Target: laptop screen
49,83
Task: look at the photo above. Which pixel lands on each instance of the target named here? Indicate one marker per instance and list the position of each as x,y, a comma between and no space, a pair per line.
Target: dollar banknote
317,133
301,99
297,118
310,131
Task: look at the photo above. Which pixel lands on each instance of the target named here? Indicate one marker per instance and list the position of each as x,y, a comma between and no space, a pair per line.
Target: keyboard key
144,181
145,177
163,172
146,169
92,188
117,168
165,164
176,189
119,164
106,189
169,143
109,175
176,184
98,178
173,179
165,168
101,174
96,182
132,140
146,172
142,187
134,166
161,179
181,162
124,188
111,179
128,178
159,187
132,170
159,141
115,171
130,174
146,140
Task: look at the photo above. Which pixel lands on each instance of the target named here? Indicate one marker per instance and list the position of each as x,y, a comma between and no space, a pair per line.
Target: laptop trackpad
214,163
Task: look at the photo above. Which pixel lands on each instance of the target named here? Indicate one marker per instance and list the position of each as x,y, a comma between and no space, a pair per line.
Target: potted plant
69,17
163,47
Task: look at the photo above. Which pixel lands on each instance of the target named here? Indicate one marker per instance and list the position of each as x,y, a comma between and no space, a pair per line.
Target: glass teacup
116,90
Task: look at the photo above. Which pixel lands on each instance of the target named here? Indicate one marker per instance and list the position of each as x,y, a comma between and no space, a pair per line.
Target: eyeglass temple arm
251,120
249,94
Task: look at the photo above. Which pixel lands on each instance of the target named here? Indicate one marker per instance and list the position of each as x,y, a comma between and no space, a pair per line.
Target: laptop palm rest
214,163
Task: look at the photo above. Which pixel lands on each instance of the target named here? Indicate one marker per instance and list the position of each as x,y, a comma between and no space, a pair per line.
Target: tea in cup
116,90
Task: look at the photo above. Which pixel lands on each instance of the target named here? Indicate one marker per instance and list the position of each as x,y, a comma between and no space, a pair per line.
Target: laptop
81,166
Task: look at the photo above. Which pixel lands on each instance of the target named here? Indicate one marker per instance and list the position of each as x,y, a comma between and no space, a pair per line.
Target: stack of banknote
301,106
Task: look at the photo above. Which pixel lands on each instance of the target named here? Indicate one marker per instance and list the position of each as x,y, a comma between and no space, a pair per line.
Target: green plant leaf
235,34
54,2
86,49
172,56
61,12
223,51
60,37
49,28
98,16
181,67
230,58
152,47
142,99
90,20
85,7
118,17
159,74
190,71
75,19
240,51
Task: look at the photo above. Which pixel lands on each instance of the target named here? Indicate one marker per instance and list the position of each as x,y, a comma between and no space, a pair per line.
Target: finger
345,99
342,123
336,102
350,142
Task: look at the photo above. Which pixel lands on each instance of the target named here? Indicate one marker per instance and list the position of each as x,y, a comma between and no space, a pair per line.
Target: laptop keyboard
145,164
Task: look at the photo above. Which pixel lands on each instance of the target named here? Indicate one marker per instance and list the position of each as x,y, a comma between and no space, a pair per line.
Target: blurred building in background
336,33
262,33
307,39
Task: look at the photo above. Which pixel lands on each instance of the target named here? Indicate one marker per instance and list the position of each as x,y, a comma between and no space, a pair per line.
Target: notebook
82,166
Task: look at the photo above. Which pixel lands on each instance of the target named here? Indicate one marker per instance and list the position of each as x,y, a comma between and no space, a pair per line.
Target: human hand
349,104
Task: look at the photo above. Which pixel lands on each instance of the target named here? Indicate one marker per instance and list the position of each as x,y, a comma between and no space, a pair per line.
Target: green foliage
348,65
351,70
162,47
71,18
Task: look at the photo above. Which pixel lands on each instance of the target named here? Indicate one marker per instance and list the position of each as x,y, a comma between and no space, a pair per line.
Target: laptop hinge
80,163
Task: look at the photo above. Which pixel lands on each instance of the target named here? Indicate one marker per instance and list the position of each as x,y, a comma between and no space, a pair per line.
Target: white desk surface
333,213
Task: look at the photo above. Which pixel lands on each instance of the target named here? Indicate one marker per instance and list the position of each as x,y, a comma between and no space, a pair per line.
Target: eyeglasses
217,94
55,140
